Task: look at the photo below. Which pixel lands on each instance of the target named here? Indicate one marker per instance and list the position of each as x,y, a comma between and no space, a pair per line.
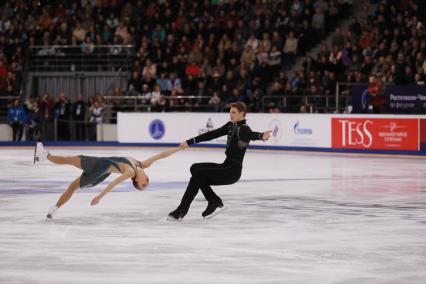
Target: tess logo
356,133
375,133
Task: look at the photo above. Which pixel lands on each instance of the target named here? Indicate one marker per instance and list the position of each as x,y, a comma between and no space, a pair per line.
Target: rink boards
322,132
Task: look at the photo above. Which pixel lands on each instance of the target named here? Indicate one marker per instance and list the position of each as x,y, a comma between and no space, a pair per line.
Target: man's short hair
240,106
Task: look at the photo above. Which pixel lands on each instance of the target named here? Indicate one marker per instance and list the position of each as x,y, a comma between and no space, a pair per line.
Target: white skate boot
51,213
39,153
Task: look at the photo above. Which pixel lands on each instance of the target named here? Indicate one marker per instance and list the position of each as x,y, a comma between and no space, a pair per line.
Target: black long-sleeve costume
206,174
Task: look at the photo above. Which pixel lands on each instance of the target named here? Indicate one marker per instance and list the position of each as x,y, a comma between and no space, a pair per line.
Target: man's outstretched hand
266,135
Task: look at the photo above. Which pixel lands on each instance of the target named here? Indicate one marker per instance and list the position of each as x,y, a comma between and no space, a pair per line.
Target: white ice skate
39,153
51,213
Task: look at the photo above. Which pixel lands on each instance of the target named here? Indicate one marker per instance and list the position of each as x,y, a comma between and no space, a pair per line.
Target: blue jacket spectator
16,118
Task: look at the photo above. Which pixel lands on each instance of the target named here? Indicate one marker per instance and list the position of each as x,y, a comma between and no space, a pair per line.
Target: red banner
375,133
422,130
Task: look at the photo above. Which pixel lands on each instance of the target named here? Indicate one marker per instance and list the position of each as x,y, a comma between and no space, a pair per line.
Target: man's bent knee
195,168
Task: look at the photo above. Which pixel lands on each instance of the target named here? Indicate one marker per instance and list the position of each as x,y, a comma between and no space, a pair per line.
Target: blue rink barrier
102,144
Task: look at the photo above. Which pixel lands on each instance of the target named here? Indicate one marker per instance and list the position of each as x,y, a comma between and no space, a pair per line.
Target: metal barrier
115,104
69,129
68,58
313,103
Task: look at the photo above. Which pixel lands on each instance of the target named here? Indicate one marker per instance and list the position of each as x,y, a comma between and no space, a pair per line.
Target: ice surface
292,218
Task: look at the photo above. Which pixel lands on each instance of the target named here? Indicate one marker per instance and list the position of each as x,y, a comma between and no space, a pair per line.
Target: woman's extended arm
126,175
147,163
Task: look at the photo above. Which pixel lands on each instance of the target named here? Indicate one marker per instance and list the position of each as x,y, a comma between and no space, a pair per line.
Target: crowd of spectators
389,44
75,120
225,50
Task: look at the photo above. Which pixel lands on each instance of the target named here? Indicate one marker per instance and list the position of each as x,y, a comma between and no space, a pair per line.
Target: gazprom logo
302,131
157,129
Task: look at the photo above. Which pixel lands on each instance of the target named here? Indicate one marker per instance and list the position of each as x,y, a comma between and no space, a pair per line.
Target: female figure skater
97,169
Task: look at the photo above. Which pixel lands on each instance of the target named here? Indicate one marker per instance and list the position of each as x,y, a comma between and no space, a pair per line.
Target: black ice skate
177,215
213,208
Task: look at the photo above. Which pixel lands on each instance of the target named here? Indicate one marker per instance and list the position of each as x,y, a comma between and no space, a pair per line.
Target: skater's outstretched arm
247,135
126,175
147,163
210,135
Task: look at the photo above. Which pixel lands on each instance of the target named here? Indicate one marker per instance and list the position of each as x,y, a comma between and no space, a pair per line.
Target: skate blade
216,212
35,152
171,219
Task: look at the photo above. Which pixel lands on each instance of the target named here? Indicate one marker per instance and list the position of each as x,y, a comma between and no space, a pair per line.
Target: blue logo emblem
157,129
302,131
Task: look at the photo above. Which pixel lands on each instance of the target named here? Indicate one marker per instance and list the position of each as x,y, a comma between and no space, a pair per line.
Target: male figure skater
206,174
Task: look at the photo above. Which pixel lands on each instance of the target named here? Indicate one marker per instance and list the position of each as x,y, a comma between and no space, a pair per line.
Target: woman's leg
64,197
69,192
62,160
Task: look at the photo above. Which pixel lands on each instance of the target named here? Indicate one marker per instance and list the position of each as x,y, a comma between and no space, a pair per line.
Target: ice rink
292,218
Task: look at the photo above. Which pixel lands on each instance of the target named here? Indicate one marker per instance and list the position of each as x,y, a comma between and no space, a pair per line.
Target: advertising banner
298,130
166,127
359,98
407,99
329,131
375,133
295,130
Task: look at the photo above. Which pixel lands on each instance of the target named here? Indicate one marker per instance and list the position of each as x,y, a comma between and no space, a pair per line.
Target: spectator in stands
32,127
78,116
176,84
193,69
63,114
164,83
87,47
135,80
9,92
275,60
318,22
149,70
122,33
131,91
233,98
46,117
290,50
215,102
3,76
146,96
112,21
96,117
376,96
79,33
16,118
156,98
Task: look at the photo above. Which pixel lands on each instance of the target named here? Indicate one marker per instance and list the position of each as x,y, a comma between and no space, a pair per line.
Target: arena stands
203,55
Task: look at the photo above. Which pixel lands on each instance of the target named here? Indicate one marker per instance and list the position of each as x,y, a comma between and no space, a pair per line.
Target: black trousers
79,130
206,174
17,131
